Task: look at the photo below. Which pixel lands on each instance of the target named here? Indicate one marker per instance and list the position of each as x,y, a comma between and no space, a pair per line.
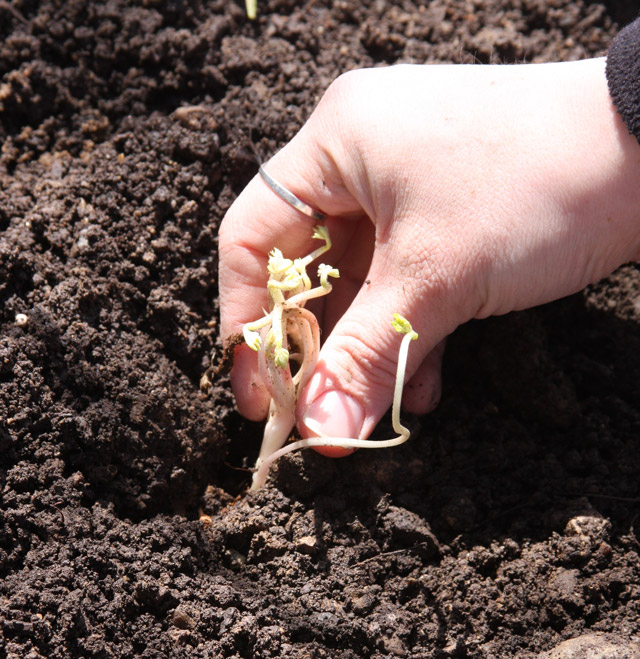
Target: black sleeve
623,76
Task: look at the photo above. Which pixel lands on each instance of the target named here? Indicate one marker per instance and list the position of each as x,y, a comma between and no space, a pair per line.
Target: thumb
353,384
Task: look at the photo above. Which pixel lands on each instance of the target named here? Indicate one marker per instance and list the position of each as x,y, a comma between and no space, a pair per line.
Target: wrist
611,191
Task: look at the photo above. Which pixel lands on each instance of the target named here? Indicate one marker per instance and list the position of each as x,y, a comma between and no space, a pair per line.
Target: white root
350,442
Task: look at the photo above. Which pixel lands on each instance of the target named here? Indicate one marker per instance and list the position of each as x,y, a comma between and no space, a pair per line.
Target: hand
454,192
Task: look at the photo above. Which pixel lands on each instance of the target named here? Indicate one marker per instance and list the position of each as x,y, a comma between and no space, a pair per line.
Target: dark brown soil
504,527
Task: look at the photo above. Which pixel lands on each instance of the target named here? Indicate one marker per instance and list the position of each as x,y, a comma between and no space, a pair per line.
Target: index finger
260,220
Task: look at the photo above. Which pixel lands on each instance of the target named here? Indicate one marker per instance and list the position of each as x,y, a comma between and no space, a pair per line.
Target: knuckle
346,103
342,87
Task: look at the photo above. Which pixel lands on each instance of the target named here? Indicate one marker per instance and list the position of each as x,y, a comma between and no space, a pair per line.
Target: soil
504,528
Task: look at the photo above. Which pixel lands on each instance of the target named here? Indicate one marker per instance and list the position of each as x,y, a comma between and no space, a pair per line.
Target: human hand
454,192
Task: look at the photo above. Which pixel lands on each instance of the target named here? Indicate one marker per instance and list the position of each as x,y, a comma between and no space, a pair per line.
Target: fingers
252,396
422,392
260,220
353,384
336,413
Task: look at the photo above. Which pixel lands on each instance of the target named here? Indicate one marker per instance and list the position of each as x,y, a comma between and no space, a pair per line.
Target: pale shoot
252,9
290,325
401,325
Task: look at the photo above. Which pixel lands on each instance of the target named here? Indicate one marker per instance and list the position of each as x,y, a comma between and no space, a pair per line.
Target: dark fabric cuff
623,76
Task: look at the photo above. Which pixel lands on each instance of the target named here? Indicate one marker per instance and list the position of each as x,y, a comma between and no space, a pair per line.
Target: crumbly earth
504,528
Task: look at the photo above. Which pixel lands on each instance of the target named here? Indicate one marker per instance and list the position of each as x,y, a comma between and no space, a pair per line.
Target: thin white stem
349,442
319,251
276,325
403,353
276,432
281,417
311,442
259,324
303,297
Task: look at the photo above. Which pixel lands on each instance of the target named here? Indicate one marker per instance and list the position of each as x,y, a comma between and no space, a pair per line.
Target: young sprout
289,326
401,325
252,9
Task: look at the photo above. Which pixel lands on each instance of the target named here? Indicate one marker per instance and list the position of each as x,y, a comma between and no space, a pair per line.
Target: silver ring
289,197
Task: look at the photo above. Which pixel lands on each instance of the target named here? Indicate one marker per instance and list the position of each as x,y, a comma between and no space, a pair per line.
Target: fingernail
334,414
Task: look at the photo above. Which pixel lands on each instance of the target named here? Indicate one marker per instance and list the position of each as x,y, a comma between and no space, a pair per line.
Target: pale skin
454,192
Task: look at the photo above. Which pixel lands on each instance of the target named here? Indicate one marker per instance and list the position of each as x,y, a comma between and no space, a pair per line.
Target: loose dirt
503,528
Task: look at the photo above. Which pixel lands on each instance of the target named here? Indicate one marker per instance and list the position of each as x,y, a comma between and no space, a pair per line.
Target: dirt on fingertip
506,527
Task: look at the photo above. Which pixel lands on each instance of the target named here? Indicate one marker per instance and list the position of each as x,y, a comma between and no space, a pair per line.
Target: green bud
252,339
277,264
320,232
403,326
325,271
281,357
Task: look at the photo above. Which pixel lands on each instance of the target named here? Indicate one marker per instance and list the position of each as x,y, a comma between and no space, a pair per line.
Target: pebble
594,646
